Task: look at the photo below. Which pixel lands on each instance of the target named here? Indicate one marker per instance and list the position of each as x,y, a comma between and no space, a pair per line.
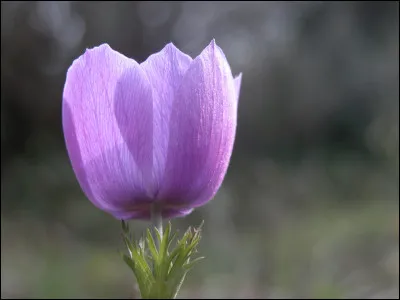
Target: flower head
157,132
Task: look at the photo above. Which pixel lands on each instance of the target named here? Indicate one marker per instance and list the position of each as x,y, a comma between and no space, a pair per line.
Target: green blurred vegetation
310,204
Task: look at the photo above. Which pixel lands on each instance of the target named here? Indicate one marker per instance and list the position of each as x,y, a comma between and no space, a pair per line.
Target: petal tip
212,45
215,49
170,44
99,47
170,47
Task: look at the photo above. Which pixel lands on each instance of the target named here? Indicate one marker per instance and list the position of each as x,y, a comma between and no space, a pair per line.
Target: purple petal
133,108
145,214
202,131
165,71
107,170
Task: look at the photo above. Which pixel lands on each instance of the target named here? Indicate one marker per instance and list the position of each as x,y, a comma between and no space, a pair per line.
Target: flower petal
145,214
107,170
165,71
133,106
202,131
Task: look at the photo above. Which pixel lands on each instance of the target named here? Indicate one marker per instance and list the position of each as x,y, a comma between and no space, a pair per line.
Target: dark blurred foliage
318,123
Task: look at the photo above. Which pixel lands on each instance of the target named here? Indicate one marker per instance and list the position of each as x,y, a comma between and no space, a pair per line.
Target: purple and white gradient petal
157,132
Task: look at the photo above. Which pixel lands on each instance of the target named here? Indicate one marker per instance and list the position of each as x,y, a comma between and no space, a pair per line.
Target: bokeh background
310,203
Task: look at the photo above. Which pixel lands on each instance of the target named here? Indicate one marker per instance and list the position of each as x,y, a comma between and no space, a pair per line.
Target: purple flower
157,132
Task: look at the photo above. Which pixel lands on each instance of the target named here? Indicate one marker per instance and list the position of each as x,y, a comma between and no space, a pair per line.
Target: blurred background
310,203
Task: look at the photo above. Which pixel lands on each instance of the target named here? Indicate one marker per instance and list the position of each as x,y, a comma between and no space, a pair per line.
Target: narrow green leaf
179,285
170,240
164,241
191,247
152,245
181,244
141,262
139,278
199,229
163,253
158,235
184,252
142,246
189,265
128,245
125,227
178,263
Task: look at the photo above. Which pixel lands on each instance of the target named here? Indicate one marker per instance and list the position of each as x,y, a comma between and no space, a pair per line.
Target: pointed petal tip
171,44
170,47
99,47
212,45
102,47
210,48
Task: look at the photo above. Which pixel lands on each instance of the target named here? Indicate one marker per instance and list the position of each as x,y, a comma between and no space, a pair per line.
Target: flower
157,132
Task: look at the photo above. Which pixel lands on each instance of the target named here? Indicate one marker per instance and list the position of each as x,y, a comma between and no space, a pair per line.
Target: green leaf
129,245
139,278
179,285
181,245
125,227
158,235
164,262
170,239
189,265
159,272
152,245
141,262
184,250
